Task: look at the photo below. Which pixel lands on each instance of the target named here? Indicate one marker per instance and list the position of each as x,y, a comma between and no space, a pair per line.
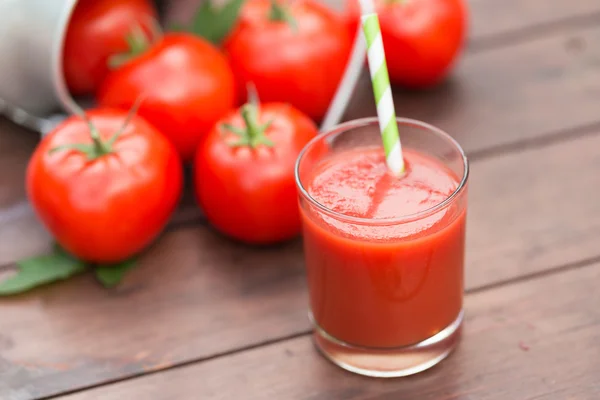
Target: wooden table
205,318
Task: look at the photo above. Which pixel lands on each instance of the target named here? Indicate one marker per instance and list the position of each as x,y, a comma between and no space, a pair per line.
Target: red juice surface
383,285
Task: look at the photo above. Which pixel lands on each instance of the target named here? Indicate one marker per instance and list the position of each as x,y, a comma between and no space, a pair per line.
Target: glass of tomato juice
384,254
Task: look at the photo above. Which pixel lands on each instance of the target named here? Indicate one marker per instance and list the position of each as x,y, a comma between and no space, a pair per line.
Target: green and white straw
381,88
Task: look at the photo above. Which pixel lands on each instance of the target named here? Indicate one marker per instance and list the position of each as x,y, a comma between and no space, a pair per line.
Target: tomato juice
380,284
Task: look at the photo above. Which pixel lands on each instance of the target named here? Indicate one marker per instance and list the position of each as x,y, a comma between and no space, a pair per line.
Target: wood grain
20,233
197,294
16,144
491,19
533,210
530,340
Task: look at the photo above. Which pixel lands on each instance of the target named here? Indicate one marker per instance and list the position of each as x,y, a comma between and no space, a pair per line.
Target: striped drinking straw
381,88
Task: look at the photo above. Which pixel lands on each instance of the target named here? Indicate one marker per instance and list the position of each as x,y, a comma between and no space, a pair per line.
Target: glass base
391,362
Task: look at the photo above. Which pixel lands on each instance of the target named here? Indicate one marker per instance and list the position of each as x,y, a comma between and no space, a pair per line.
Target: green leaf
41,270
214,23
111,275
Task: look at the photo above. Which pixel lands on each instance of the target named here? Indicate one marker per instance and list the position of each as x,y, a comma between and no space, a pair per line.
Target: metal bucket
33,91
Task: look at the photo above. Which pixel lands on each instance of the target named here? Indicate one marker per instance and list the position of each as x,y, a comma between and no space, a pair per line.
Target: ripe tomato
422,38
97,30
293,53
186,84
104,202
244,172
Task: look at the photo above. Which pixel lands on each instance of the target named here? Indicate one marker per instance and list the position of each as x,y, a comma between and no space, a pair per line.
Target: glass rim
357,123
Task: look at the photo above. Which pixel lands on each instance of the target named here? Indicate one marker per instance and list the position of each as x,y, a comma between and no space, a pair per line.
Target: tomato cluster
105,182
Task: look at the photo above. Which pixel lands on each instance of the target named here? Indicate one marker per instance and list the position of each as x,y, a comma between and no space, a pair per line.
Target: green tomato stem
253,130
137,41
280,13
253,134
99,147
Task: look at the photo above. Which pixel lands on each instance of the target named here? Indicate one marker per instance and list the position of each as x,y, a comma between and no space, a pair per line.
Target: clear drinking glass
385,293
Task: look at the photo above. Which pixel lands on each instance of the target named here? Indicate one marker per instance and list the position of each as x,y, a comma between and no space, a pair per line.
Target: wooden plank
487,18
532,210
519,93
531,340
492,18
16,144
197,295
20,233
528,91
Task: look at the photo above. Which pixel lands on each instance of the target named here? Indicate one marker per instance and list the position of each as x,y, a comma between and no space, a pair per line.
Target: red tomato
295,53
186,84
422,38
96,31
245,181
107,207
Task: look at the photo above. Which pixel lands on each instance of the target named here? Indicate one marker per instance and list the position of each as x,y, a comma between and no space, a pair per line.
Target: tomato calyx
99,147
138,42
211,22
94,150
253,134
280,13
